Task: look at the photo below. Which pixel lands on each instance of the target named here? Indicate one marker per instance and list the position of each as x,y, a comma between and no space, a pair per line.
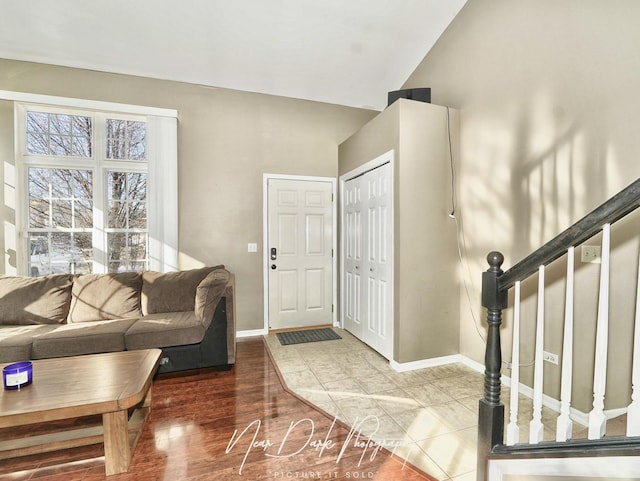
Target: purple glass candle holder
17,375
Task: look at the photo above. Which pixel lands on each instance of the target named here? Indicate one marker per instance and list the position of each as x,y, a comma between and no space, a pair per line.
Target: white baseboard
251,333
436,361
424,363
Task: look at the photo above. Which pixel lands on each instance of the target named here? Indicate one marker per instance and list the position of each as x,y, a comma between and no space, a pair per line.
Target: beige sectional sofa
190,315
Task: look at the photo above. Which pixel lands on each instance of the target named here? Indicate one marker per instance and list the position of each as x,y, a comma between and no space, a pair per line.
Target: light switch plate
252,247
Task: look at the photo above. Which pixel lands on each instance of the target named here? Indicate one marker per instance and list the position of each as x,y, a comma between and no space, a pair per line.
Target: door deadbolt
273,266
274,254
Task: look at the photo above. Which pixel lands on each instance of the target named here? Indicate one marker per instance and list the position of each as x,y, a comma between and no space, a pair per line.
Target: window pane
117,185
137,185
117,214
38,144
61,181
81,147
127,252
58,134
81,136
82,253
126,139
137,137
39,213
83,213
61,211
60,145
60,251
60,124
137,193
39,255
138,216
37,122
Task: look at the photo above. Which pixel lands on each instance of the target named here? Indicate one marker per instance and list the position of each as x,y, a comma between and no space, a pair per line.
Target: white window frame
162,186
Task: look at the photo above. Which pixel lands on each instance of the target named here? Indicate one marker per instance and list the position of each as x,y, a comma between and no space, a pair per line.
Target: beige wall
426,309
226,140
548,92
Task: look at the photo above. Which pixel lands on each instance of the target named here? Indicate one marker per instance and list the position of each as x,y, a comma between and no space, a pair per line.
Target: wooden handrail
621,204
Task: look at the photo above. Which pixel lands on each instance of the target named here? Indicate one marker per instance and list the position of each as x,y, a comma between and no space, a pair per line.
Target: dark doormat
307,335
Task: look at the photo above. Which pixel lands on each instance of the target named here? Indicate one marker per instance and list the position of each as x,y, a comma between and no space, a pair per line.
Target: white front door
300,253
367,277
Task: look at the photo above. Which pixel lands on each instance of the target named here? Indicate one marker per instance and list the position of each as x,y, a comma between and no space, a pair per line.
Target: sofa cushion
15,341
82,338
98,297
208,294
34,300
164,330
171,291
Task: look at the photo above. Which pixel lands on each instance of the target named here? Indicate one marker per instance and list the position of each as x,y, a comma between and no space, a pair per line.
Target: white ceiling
346,52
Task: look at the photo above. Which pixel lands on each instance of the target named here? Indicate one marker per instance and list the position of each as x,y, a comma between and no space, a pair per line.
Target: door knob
273,266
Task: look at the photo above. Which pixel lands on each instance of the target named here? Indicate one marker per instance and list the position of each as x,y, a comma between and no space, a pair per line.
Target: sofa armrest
218,285
208,293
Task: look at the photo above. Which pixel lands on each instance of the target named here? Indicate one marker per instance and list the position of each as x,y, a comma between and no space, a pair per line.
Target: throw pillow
98,297
171,291
34,300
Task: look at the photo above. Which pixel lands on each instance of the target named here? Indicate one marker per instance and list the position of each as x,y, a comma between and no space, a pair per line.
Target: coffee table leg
117,451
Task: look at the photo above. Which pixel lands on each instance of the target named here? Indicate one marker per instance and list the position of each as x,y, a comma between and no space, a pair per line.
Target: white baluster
564,425
513,431
597,419
536,428
633,412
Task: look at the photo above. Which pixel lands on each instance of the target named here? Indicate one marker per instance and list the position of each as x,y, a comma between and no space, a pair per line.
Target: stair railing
495,288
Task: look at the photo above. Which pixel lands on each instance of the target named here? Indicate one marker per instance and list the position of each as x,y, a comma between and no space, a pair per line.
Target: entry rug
307,335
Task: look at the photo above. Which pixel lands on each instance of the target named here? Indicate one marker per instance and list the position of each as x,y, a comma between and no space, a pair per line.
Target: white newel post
564,424
513,432
536,428
633,411
597,419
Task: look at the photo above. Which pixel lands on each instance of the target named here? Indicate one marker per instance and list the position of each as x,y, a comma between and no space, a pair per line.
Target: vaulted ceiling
346,52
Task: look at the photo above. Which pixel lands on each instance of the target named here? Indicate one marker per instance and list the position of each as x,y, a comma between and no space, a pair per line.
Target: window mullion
100,204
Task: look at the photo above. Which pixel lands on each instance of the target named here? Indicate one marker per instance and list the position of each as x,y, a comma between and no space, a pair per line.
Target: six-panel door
300,222
367,231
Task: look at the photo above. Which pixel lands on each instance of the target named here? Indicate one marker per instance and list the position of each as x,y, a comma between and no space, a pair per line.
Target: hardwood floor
235,425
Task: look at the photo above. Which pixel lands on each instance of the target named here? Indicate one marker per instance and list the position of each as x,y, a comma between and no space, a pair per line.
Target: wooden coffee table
110,384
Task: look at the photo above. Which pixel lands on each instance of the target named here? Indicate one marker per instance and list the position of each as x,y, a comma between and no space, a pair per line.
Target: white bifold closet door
368,306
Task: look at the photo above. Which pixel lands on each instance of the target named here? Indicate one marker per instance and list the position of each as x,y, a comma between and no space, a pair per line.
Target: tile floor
430,414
